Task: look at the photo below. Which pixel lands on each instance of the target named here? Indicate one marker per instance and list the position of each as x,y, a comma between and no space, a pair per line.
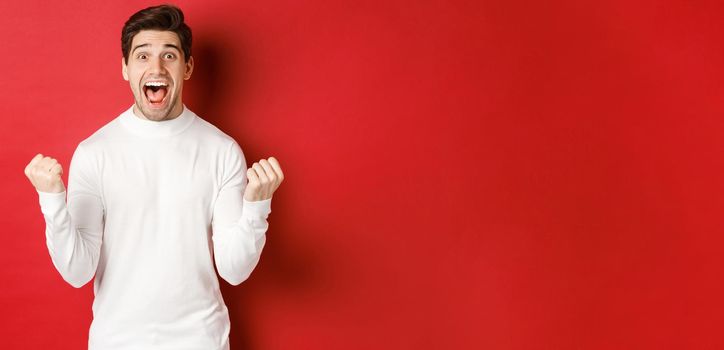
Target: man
156,198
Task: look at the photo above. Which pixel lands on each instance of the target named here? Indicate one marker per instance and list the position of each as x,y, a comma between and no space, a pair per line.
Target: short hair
162,17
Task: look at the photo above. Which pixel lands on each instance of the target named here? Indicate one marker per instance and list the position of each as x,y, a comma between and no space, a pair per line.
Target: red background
460,174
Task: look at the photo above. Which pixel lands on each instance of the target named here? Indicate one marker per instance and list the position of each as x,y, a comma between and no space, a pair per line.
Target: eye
142,56
169,56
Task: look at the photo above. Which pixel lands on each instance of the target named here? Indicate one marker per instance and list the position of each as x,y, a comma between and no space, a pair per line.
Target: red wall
460,174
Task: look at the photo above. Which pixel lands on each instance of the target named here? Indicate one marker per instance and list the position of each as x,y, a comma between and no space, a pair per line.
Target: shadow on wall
215,74
218,93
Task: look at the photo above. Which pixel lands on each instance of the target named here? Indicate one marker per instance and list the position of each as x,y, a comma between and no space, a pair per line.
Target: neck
156,129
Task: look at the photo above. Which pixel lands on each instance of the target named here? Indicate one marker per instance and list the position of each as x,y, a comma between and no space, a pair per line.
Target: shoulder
224,147
214,136
96,141
211,130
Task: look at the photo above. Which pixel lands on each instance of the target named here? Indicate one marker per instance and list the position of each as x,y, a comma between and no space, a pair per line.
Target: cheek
134,79
132,73
179,72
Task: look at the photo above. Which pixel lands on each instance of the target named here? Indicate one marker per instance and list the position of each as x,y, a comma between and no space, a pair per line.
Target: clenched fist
45,174
264,176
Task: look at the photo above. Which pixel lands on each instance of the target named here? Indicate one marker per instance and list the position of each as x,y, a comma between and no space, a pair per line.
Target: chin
154,114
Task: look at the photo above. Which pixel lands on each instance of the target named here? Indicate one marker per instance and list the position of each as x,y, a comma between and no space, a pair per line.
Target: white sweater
151,207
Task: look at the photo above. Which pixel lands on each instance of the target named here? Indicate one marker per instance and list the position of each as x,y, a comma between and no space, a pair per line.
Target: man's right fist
45,174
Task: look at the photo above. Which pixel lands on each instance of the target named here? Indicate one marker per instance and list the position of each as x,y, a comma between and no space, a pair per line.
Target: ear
189,68
124,69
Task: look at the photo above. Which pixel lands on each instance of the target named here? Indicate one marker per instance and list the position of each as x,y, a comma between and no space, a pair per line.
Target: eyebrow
147,44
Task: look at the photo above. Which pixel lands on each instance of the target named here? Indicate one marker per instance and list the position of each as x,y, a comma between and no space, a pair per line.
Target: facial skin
156,58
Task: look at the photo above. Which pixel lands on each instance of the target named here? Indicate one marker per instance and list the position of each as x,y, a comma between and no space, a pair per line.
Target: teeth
155,83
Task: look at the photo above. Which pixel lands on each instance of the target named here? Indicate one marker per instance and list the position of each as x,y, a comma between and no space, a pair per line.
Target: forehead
155,38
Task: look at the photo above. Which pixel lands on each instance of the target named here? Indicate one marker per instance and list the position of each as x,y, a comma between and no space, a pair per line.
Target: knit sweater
151,208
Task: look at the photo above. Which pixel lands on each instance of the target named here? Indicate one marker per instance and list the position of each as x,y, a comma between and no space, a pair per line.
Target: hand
45,174
264,177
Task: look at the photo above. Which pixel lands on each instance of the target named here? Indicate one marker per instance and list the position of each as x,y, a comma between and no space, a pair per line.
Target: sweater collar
150,128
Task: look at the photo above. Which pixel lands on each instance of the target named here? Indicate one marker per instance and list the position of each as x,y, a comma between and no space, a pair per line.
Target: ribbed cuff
256,209
51,202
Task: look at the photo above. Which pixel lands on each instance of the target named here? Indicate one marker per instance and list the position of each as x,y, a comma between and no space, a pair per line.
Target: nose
156,66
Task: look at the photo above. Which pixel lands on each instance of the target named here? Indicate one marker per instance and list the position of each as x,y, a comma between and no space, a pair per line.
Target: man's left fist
264,176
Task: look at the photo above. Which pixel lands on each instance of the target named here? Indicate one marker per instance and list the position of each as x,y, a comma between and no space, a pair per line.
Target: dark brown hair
163,17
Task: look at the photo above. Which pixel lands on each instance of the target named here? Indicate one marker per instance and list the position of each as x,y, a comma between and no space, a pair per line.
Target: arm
74,230
238,226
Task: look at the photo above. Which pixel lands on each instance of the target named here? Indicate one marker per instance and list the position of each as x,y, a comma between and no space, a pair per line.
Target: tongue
155,96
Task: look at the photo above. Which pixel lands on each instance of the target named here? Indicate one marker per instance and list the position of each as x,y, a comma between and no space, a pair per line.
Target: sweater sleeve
74,229
238,226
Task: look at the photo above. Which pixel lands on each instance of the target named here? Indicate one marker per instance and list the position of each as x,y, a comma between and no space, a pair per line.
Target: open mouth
155,92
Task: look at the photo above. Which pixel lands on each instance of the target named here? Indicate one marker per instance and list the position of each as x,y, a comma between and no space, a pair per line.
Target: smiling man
158,200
